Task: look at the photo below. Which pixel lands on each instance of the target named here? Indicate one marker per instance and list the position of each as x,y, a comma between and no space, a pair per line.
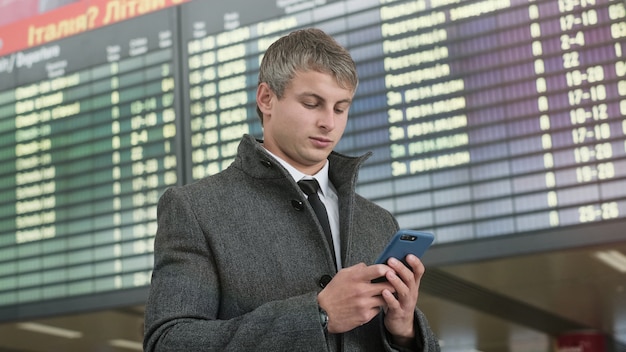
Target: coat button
296,204
324,280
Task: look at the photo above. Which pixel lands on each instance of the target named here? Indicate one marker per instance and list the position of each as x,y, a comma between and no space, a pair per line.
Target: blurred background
498,125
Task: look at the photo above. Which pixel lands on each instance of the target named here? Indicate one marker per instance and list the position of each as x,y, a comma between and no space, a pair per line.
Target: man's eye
310,105
341,109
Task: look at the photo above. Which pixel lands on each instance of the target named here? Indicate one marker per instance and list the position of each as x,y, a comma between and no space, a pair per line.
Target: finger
416,265
400,289
417,268
391,301
376,271
406,287
383,284
405,274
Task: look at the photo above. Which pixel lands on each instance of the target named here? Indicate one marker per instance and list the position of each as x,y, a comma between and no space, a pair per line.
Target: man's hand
351,299
400,311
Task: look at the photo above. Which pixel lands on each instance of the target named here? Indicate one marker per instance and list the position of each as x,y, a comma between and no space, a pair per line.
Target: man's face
306,124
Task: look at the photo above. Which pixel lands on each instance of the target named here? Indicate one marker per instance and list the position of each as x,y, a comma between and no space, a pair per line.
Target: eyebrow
317,96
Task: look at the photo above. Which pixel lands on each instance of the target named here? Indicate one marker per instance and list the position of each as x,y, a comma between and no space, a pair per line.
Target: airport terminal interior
498,125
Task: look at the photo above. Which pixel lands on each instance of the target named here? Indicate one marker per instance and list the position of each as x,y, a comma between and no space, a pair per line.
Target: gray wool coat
240,258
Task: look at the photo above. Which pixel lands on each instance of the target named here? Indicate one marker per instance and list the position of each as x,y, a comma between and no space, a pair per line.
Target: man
241,260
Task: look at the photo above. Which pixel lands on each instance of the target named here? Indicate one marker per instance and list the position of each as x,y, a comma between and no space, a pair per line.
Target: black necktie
310,188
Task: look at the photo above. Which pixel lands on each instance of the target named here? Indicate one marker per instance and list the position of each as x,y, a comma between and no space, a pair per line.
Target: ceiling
514,303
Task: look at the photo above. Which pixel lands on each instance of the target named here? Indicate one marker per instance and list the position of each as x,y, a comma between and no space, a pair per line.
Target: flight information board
486,118
87,145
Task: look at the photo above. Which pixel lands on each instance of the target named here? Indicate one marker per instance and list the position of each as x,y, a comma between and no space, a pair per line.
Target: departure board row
485,118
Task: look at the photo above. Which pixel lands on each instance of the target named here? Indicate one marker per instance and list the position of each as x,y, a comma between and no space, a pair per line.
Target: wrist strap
323,319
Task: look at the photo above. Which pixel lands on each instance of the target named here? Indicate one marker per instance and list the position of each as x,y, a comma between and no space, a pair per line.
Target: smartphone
406,242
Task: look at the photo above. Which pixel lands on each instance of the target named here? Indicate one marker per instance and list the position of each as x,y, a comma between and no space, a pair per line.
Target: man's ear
264,98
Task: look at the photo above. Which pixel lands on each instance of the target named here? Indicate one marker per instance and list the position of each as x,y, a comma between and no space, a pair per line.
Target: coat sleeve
425,339
184,301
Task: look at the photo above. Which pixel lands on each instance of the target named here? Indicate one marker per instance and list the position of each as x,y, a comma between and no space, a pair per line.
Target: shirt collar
321,176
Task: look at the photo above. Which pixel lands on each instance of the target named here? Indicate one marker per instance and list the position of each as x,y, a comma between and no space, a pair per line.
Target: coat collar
254,160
